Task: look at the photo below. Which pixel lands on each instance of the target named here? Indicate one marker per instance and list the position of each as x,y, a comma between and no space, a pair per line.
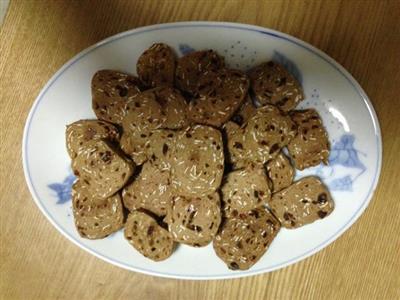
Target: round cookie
143,114
243,240
198,163
173,106
267,132
194,221
156,66
110,91
147,237
221,93
95,218
102,169
271,83
83,131
192,66
151,190
246,189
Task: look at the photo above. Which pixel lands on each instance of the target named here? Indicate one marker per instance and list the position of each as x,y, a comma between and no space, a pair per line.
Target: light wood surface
38,37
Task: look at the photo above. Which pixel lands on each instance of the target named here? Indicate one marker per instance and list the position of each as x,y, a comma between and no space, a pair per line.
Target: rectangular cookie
102,168
198,161
95,218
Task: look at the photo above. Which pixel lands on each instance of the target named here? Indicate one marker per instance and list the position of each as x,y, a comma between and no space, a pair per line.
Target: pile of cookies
181,154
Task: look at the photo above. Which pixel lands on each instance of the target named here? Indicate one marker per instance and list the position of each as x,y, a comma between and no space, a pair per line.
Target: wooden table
38,37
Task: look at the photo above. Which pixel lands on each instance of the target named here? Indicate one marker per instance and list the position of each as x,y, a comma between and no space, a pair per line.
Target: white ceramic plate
348,115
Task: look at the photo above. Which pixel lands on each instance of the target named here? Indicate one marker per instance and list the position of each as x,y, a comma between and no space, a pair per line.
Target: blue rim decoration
237,26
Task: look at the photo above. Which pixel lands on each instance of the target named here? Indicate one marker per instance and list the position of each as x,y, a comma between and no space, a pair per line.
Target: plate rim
227,25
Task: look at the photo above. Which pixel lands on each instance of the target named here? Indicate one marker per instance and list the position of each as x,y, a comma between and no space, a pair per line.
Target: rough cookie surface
273,84
304,202
156,66
243,240
110,92
194,221
95,218
198,163
147,237
310,146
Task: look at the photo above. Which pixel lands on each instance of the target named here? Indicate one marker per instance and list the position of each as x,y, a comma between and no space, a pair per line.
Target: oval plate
348,115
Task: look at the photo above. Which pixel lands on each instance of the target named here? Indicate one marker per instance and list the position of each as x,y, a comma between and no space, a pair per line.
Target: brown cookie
173,106
246,189
194,220
310,146
221,93
192,66
267,132
151,190
110,91
243,240
271,83
304,202
83,131
198,163
102,169
280,171
156,66
160,147
147,237
95,218
143,115
245,112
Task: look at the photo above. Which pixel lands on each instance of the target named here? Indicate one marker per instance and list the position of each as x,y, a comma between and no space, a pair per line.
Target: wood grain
38,37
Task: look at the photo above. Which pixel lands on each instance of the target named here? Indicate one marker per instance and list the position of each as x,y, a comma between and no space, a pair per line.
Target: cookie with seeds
271,83
243,240
102,169
194,220
198,163
191,67
221,93
143,115
148,237
246,189
160,146
156,66
267,132
173,106
95,218
110,91
245,112
280,171
151,190
304,202
83,131
310,146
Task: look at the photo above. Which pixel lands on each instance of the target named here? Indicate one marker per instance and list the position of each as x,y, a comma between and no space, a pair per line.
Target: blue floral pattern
63,189
347,157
